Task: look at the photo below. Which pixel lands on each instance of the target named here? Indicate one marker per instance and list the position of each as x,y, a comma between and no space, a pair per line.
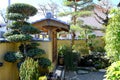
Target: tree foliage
78,3
77,13
28,29
34,52
18,13
113,71
78,9
20,31
10,33
16,16
29,70
10,57
22,8
112,36
44,62
19,38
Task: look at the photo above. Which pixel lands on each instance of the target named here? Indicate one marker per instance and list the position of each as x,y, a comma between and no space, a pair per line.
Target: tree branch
3,16
98,20
98,16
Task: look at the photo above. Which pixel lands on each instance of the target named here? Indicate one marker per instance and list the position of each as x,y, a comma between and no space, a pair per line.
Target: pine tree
20,31
78,9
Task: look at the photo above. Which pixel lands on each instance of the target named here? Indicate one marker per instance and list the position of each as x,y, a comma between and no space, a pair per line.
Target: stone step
82,72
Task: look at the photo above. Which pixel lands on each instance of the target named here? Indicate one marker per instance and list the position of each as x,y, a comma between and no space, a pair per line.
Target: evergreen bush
70,57
10,57
112,37
44,62
113,71
29,70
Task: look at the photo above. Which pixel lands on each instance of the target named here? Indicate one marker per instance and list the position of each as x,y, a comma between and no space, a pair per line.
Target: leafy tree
112,37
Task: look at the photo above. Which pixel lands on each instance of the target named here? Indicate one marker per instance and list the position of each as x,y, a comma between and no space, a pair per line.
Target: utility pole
9,2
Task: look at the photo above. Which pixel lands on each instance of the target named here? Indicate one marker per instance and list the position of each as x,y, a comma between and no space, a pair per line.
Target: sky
115,2
4,4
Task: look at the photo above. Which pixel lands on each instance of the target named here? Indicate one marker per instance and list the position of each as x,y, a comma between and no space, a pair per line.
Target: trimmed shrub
29,70
44,62
98,61
22,8
113,71
10,57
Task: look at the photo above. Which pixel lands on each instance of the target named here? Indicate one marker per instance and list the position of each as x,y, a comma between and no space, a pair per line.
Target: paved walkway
87,76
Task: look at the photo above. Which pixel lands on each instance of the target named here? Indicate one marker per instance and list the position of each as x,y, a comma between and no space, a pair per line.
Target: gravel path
88,76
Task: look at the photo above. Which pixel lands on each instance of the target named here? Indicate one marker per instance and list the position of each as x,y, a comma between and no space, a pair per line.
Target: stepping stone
88,68
102,70
82,72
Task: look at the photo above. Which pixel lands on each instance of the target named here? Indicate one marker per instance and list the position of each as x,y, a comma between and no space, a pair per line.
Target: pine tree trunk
73,38
25,52
74,22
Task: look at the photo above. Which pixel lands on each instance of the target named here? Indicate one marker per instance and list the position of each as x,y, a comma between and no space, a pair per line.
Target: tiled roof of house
49,16
92,22
54,19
